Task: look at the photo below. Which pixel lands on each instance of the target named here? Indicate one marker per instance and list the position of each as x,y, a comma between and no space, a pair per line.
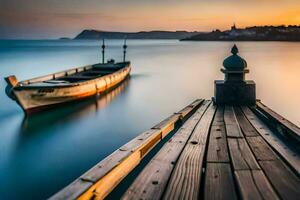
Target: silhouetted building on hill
255,33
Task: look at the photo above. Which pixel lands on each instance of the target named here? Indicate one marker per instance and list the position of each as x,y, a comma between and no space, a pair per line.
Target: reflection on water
71,111
41,154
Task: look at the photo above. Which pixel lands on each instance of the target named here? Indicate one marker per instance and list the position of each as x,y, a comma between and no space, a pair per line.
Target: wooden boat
75,84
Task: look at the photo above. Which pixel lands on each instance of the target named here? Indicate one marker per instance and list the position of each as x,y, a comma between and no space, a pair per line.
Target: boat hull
36,99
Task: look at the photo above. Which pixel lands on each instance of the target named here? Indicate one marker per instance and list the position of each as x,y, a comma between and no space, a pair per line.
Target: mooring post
234,90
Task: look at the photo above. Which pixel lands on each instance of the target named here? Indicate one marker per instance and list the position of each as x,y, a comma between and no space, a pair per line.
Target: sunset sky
58,18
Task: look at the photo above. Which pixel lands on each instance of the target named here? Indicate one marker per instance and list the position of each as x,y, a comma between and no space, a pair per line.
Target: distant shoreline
255,33
95,34
186,40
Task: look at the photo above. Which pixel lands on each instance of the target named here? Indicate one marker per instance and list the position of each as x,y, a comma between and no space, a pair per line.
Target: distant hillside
94,34
255,33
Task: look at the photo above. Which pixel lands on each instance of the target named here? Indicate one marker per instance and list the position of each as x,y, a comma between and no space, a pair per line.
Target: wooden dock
211,152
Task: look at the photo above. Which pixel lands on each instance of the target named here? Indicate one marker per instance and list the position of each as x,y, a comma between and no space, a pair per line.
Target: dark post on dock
234,90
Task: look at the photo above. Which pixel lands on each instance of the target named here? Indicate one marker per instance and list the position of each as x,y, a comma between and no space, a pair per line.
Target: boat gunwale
66,85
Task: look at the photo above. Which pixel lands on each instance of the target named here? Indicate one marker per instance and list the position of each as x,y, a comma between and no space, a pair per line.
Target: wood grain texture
196,102
168,124
185,179
293,129
231,124
219,182
261,149
217,147
219,117
113,160
284,150
187,111
282,178
241,155
151,182
107,183
254,185
74,190
245,125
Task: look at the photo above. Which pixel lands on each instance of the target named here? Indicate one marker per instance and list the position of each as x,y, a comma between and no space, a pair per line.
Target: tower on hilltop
233,27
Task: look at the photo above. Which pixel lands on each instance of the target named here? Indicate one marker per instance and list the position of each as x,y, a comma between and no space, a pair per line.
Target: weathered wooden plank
219,182
110,171
241,155
294,130
185,110
288,154
196,102
105,185
219,117
251,181
233,130
245,125
74,190
229,116
107,182
282,178
217,147
121,154
185,179
231,124
151,182
267,157
168,124
260,148
254,185
188,109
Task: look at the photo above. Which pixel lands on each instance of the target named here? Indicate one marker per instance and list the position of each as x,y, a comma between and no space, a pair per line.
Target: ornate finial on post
235,62
124,50
103,51
234,50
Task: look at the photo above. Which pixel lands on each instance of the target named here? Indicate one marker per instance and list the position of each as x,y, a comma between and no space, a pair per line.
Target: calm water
41,154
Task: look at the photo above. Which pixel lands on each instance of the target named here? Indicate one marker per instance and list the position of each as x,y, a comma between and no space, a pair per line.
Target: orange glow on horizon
190,15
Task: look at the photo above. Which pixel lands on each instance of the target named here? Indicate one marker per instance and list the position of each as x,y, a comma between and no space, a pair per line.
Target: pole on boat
124,50
103,51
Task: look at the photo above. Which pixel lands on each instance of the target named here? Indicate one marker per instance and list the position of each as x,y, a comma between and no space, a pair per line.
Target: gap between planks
251,181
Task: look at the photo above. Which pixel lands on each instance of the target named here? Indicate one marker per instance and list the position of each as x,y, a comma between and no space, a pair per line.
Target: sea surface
45,152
